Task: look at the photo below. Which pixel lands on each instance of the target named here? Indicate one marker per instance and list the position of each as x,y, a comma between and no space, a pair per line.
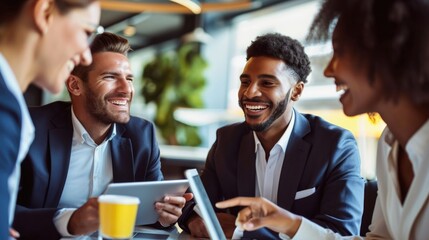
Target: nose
252,90
330,68
85,57
125,85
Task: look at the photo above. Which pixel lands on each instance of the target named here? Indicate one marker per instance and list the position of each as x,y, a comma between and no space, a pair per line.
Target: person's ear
43,14
297,90
73,85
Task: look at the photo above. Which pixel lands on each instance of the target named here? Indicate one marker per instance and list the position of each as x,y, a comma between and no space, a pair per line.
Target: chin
123,120
53,86
57,89
349,113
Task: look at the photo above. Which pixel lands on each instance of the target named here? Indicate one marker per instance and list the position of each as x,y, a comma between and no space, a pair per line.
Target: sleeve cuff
61,221
283,236
310,230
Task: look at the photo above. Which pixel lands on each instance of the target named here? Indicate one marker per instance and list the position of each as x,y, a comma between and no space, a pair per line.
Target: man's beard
99,110
278,111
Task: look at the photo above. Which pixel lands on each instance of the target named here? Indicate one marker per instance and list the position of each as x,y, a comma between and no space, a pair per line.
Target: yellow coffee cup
117,216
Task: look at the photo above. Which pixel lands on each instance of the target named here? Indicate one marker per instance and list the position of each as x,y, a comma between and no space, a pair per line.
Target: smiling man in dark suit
82,146
298,161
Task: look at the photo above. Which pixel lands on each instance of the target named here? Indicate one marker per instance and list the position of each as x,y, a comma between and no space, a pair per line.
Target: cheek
105,90
76,44
74,39
276,94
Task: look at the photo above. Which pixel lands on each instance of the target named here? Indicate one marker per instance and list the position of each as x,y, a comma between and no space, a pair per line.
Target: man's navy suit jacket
135,157
319,155
10,136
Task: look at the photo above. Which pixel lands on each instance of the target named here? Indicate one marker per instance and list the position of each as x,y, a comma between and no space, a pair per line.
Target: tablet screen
204,205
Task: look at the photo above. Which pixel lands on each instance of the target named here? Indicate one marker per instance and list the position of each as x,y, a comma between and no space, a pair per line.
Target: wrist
187,213
165,225
293,226
61,221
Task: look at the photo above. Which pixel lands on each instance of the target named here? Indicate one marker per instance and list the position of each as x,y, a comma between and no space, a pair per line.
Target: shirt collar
9,77
80,133
416,146
283,141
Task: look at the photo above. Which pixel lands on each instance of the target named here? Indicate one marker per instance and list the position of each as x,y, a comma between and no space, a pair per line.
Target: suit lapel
60,141
294,162
246,172
122,157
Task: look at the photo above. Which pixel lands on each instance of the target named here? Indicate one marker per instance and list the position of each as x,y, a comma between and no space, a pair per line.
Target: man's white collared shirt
90,171
268,172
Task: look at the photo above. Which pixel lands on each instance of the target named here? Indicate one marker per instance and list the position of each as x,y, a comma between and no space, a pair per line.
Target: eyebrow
244,75
268,76
115,74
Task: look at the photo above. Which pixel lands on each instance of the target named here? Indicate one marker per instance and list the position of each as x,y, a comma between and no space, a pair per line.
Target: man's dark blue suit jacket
135,157
319,155
10,135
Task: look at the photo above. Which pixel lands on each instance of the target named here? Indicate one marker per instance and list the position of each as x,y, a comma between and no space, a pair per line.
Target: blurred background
187,59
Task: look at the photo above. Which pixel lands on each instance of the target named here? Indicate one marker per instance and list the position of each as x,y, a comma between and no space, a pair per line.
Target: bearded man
298,161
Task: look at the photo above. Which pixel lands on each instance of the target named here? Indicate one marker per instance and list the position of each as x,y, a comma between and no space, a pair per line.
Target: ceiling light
177,6
130,30
192,5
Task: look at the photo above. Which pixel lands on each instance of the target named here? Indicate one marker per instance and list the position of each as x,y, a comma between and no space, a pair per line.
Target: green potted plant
173,80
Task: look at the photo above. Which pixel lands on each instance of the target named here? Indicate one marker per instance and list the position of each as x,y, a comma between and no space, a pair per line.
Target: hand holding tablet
149,193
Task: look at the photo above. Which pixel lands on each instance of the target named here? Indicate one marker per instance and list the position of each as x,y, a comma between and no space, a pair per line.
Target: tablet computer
148,192
204,205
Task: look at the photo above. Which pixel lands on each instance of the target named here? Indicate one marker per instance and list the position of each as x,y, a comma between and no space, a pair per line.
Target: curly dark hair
390,36
282,47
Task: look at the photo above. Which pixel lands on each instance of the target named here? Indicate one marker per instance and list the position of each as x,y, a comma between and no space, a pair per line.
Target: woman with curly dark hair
380,63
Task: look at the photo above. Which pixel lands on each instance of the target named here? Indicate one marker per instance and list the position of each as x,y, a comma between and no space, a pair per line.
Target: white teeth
258,107
119,102
342,88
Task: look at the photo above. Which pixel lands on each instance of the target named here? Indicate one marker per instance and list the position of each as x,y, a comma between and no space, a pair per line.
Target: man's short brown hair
105,42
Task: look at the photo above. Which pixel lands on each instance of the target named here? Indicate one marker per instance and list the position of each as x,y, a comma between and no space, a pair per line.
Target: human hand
227,222
85,219
198,229
260,212
170,209
13,233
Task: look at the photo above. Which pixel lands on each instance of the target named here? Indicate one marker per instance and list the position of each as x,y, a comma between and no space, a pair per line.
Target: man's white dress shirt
89,173
268,171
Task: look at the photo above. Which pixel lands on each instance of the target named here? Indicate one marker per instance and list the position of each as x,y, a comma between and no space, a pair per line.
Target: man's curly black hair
389,36
282,47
